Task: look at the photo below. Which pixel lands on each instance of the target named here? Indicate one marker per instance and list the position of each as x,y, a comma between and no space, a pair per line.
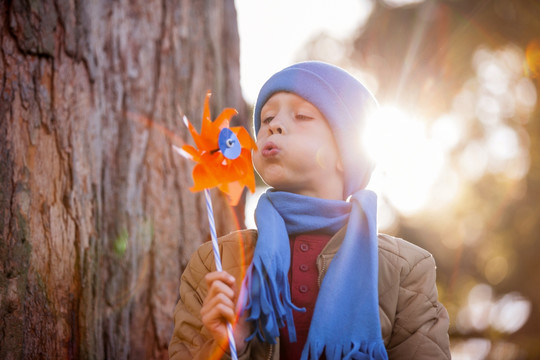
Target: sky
273,32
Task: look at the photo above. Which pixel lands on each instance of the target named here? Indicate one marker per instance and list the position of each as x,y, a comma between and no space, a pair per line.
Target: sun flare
408,158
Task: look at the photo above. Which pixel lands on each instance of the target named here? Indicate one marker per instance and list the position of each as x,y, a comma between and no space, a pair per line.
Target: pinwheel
222,154
223,157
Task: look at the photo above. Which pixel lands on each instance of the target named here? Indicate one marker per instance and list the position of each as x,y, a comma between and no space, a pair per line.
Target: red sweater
303,277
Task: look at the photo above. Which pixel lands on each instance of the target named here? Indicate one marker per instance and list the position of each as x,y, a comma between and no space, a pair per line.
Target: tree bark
96,220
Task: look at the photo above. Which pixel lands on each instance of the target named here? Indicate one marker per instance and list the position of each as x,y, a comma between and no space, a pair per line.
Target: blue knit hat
344,102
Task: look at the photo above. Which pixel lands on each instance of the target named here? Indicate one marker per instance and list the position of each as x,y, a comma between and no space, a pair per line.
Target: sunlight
483,310
398,3
510,313
471,349
409,160
251,204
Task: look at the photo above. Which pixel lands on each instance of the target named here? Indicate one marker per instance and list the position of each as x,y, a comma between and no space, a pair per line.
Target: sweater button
304,267
304,247
303,289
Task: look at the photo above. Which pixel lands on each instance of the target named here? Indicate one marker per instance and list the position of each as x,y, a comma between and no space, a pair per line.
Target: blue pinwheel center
229,144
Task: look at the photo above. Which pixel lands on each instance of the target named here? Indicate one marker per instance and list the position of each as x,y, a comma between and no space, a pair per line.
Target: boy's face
296,149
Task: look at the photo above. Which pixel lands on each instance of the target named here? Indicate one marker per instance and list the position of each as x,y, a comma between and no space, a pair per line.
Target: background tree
96,218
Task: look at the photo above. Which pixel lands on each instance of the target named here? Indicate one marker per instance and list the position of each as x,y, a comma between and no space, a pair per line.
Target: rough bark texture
96,217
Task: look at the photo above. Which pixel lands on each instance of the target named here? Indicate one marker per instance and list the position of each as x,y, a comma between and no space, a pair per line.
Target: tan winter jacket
414,324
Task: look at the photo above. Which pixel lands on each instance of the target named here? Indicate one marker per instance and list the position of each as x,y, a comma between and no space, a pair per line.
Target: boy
320,282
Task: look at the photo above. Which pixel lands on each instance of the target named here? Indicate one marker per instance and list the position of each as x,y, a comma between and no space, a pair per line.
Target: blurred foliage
477,65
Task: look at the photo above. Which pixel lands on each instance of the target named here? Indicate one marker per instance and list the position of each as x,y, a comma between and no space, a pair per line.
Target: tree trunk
96,220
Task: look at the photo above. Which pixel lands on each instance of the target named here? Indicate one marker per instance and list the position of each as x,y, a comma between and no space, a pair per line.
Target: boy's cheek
255,153
256,160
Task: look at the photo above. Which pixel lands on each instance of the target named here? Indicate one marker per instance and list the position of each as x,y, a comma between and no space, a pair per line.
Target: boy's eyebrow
270,101
269,105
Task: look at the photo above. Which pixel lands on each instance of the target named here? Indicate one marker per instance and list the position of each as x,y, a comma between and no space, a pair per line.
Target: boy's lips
269,149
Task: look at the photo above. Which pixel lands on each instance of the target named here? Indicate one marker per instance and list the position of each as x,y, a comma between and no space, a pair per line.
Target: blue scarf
345,323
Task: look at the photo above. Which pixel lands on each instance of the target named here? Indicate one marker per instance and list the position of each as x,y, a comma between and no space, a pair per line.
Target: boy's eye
303,117
267,119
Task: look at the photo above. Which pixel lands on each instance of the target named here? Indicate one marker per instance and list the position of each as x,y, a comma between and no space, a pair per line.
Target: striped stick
217,259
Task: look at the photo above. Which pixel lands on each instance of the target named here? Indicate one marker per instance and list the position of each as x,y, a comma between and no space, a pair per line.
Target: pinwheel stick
217,258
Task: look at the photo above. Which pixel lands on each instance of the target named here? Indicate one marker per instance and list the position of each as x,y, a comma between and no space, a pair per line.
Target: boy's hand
219,308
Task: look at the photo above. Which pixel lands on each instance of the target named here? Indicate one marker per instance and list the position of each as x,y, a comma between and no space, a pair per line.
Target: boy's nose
276,126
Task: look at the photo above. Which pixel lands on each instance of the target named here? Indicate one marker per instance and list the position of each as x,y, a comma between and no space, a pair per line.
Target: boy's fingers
220,299
218,312
223,276
220,282
218,304
218,287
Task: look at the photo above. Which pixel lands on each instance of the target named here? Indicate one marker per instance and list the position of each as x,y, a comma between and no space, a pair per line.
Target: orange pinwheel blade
234,191
202,178
225,115
221,122
244,138
192,152
195,135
